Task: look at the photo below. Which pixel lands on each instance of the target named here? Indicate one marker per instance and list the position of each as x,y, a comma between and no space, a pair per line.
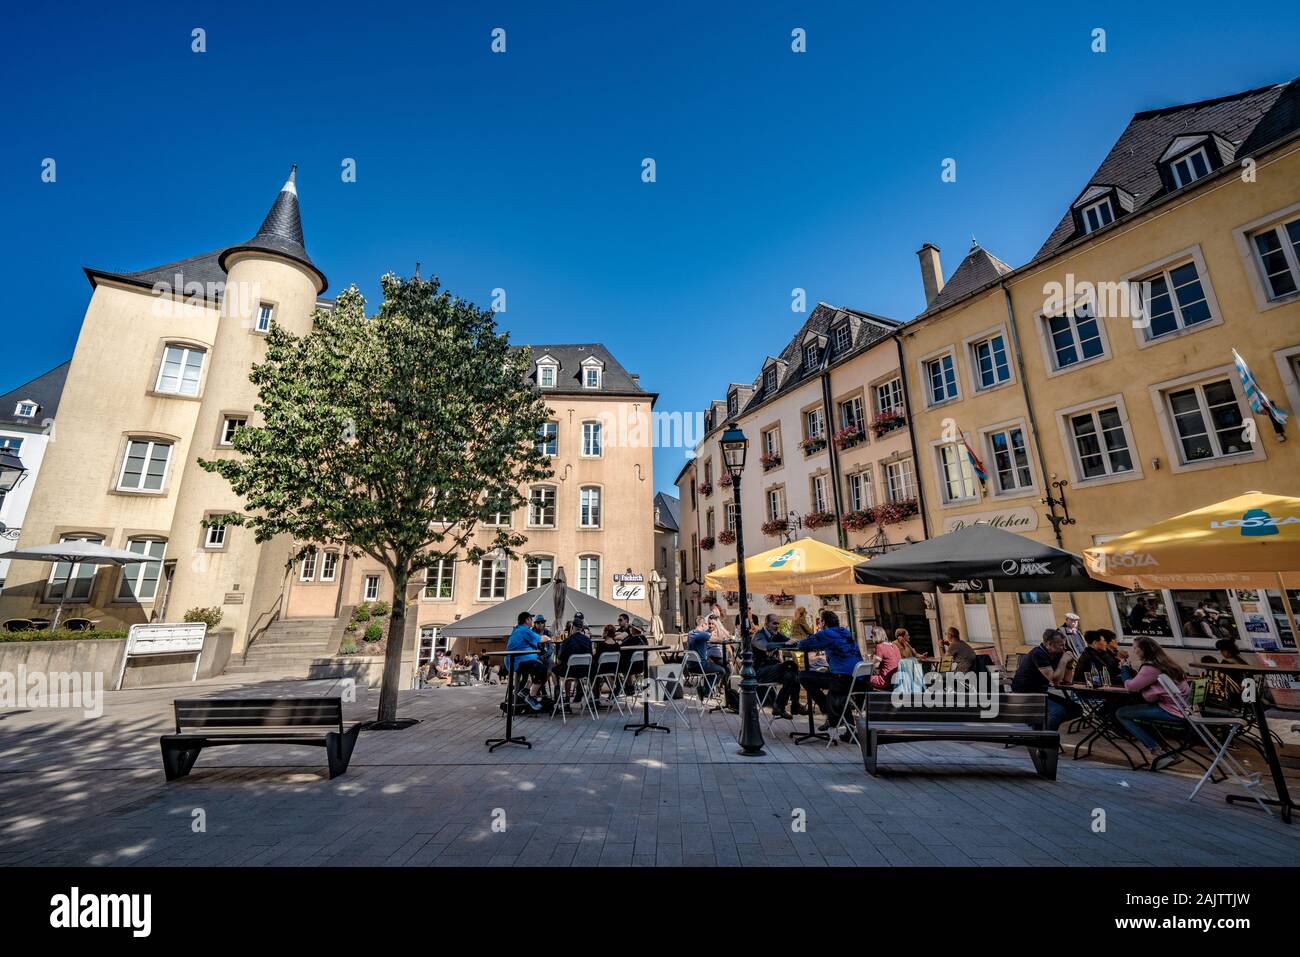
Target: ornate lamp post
11,473
734,446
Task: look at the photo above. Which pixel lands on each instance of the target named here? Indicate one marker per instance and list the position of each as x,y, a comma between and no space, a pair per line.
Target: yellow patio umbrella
805,567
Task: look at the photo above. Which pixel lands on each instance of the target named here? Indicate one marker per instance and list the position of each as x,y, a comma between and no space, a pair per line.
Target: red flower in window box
769,460
887,421
724,480
814,444
706,488
847,437
858,520
706,543
727,537
775,527
818,519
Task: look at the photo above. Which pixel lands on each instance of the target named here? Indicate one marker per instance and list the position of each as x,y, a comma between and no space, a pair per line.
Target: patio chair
692,667
18,624
669,683
40,624
767,692
78,624
607,670
1201,725
582,683
861,672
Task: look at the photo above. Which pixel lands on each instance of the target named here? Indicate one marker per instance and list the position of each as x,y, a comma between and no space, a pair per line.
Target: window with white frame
546,374
591,439
775,504
1011,472
1074,336
589,507
500,514
548,438
72,578
957,479
214,536
144,467
25,409
538,571
1277,251
708,523
851,416
772,441
860,493
819,499
180,371
370,588
307,566
1190,167
940,379
265,311
900,480
990,359
229,426
329,565
1097,215
889,396
733,403
1209,421
842,338
1101,444
589,575
492,578
140,579
591,376
769,380
440,580
811,356
1174,299
729,515
541,506
814,423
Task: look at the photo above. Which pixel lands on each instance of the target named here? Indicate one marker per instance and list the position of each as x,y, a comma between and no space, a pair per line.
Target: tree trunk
393,654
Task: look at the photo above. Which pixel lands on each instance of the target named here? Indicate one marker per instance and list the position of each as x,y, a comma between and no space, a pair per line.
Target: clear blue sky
523,170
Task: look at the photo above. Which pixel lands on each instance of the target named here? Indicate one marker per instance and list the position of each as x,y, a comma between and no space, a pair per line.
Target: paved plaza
91,791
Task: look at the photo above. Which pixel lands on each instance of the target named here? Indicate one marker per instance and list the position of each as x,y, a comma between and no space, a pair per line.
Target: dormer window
708,421
842,337
592,372
769,381
26,409
1097,215
733,404
1188,169
548,372
811,356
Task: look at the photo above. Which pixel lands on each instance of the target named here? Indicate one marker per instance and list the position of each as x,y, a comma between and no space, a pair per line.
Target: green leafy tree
395,435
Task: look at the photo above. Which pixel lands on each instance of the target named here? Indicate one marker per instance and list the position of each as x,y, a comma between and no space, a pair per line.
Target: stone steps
287,648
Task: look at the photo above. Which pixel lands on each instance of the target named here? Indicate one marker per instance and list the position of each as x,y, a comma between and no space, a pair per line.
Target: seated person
1231,654
842,655
1044,668
770,669
887,658
963,655
1117,653
699,642
1095,656
529,667
1153,661
577,643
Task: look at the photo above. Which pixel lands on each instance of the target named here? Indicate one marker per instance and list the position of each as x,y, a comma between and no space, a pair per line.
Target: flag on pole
975,462
1259,402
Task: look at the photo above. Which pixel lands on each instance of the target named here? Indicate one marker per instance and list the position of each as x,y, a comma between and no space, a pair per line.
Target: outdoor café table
1283,799
812,734
646,724
1099,705
510,738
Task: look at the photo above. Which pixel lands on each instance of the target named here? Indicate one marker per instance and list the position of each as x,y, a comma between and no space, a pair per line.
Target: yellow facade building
1106,364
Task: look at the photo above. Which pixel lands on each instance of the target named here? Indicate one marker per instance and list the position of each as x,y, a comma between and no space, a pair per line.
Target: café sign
629,586
1016,520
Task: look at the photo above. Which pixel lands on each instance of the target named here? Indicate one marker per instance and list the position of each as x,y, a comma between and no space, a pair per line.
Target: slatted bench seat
214,722
1020,720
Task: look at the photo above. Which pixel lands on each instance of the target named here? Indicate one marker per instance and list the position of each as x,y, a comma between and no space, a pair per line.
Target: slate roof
45,390
1250,120
281,230
615,380
979,267
666,507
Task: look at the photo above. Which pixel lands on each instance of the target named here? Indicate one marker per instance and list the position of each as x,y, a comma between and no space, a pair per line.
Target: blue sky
522,170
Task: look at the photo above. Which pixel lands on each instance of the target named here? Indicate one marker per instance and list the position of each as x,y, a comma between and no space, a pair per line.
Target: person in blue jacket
530,668
698,642
842,655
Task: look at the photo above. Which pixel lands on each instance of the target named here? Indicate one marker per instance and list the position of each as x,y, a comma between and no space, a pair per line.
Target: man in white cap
1073,636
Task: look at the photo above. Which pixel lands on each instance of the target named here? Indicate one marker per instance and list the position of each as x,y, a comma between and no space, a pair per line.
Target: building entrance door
1036,615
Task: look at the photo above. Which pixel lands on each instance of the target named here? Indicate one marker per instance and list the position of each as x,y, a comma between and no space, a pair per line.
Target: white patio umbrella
77,552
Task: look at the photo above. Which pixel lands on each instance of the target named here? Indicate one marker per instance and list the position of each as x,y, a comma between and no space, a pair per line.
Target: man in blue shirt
842,656
530,668
698,642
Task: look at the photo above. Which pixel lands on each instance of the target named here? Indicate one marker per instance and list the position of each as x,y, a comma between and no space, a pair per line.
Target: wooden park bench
1020,720
212,722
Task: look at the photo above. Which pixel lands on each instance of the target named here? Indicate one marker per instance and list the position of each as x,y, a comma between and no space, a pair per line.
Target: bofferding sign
1008,519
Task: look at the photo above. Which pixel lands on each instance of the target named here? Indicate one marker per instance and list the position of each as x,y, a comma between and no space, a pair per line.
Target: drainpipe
916,464
837,500
1029,410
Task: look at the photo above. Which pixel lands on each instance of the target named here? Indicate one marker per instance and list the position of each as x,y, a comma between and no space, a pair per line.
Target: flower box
724,480
895,513
859,520
727,537
770,460
818,519
848,437
887,422
811,446
780,600
775,527
706,544
706,488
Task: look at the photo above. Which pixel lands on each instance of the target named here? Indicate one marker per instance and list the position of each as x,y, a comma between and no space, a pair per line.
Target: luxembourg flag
1258,400
975,462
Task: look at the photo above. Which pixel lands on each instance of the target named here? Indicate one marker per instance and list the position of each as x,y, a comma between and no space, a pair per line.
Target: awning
499,620
805,567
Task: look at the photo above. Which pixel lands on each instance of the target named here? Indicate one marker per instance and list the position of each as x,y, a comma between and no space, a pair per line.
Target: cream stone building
1106,363
159,378
830,457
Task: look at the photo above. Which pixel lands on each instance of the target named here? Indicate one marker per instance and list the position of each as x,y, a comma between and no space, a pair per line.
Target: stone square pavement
78,791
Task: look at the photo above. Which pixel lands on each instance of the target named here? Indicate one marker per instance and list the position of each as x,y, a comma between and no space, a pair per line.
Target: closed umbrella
77,552
560,596
655,596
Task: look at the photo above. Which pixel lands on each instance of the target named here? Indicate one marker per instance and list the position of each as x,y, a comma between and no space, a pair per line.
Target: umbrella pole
1290,613
993,610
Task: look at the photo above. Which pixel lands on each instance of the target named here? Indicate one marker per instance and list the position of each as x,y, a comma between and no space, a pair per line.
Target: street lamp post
11,473
734,446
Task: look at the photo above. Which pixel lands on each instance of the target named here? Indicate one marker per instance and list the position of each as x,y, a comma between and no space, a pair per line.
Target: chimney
931,271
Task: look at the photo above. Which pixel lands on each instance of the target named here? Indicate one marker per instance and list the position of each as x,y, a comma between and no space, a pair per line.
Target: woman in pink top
887,659
1157,705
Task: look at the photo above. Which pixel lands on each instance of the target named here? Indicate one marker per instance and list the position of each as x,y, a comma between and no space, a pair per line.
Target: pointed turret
281,231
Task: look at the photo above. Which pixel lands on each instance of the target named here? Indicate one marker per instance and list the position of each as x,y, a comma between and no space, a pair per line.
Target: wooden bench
213,722
1020,720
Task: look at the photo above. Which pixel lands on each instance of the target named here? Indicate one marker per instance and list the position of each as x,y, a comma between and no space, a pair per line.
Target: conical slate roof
281,231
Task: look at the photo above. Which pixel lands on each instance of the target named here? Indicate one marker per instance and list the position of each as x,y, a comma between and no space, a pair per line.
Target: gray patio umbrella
560,595
77,552
499,620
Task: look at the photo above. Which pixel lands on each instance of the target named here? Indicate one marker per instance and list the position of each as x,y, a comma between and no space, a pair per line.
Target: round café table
1283,799
645,724
511,737
724,644
1099,704
812,734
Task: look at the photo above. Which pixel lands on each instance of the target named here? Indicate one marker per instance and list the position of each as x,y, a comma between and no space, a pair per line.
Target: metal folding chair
1201,725
862,670
583,683
712,683
607,670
